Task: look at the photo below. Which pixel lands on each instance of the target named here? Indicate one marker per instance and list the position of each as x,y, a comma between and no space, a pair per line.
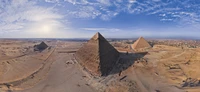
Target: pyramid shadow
9,91
152,44
125,61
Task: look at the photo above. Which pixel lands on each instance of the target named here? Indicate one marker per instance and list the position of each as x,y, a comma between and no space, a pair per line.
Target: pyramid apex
42,42
141,37
140,43
98,36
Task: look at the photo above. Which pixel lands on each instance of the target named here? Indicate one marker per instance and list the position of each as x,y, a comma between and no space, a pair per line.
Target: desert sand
161,68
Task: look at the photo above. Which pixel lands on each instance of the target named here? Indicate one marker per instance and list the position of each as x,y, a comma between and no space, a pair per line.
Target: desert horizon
99,46
72,65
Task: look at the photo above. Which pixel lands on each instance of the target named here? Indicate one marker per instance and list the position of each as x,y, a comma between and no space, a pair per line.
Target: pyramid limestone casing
97,56
140,43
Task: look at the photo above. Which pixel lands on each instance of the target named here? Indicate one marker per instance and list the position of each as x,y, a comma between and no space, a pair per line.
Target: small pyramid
97,56
140,43
41,46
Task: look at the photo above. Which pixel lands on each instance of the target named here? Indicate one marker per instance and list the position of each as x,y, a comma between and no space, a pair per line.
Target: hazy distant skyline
112,18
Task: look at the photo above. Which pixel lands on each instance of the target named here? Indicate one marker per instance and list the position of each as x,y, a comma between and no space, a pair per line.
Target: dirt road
62,77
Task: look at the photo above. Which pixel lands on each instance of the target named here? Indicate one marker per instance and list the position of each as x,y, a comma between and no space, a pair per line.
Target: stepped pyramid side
97,55
141,43
88,55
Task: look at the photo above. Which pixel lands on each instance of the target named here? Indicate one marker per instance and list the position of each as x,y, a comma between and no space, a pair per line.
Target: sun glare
46,29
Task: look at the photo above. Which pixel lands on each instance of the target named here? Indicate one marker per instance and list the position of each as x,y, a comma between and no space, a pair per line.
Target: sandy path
175,56
62,78
152,83
135,77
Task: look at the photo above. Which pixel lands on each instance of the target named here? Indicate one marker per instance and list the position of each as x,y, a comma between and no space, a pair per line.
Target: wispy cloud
37,17
102,29
52,1
175,10
94,9
85,12
27,16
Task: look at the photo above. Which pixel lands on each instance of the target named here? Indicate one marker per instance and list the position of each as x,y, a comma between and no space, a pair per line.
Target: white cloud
173,10
156,0
108,15
102,29
79,2
94,9
30,17
52,1
71,1
104,2
163,15
166,19
27,17
132,1
85,12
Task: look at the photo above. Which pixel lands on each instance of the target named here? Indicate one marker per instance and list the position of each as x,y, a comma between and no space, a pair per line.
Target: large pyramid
97,56
40,46
140,43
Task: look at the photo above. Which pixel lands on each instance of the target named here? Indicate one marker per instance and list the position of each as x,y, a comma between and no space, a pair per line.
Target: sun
46,29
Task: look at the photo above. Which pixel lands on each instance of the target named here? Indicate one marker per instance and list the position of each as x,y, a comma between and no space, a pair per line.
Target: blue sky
112,18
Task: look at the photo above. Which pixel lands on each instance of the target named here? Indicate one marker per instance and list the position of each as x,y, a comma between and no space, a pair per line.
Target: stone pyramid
97,56
41,46
140,43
